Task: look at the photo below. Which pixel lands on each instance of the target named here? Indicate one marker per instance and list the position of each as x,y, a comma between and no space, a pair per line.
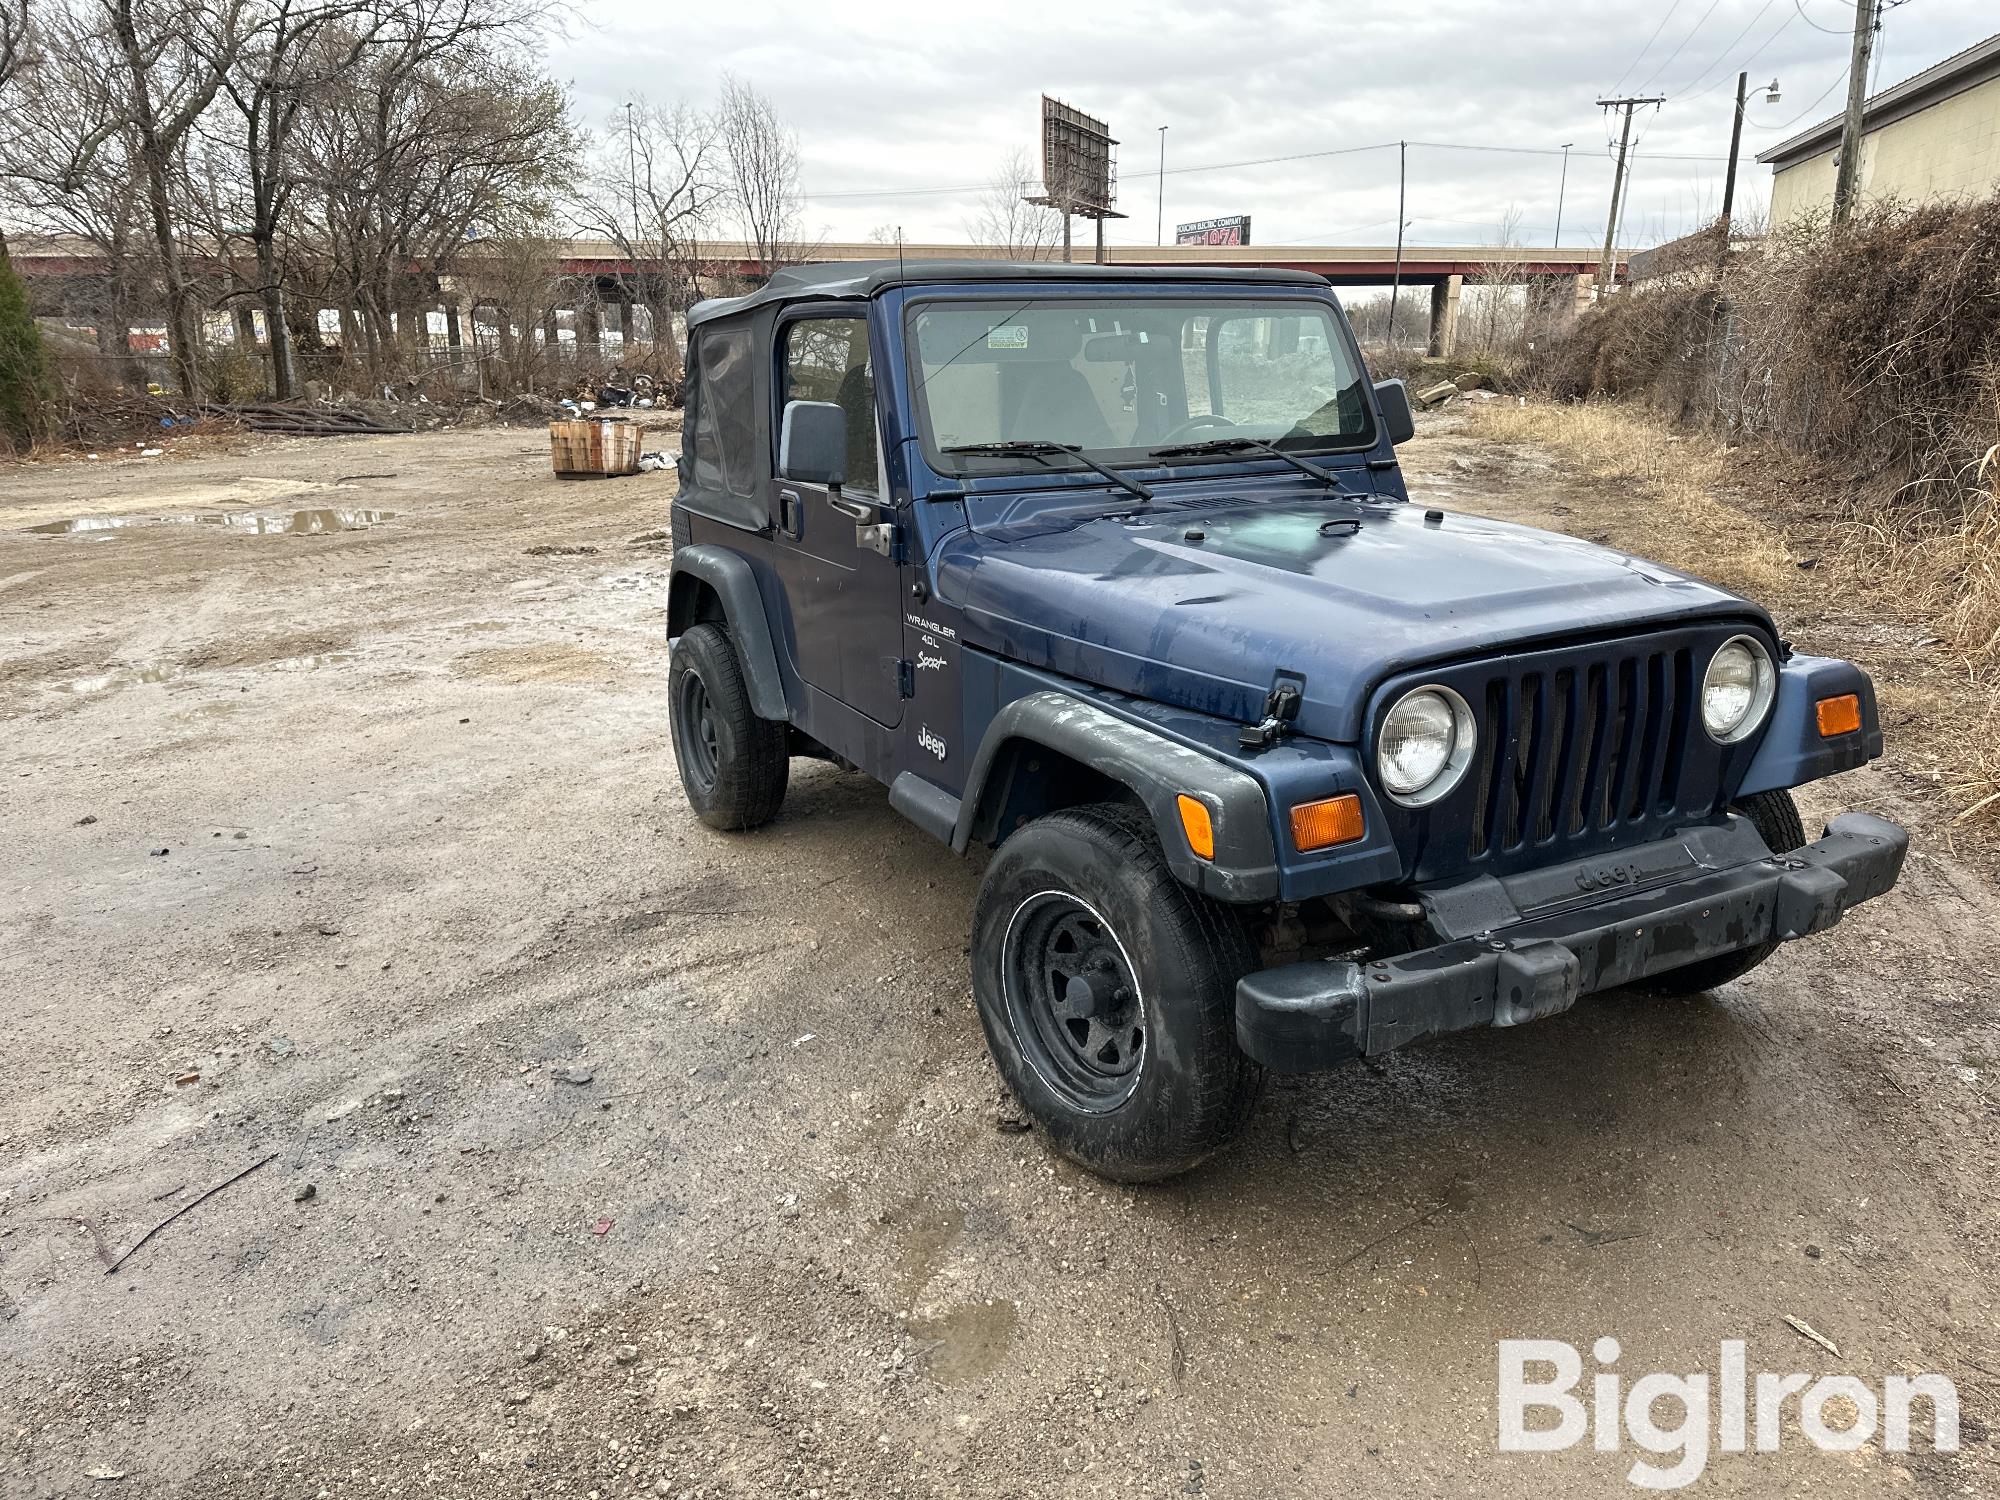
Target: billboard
1078,172
1235,231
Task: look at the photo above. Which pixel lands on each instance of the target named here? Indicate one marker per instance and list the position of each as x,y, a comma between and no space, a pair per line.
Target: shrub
24,368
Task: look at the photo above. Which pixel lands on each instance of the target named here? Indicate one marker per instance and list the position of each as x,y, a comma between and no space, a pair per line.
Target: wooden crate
594,449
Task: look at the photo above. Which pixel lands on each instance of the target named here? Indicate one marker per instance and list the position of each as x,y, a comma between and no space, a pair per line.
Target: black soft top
864,278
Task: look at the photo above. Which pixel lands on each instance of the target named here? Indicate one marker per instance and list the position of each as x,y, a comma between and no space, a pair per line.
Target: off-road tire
1776,818
1191,1088
733,764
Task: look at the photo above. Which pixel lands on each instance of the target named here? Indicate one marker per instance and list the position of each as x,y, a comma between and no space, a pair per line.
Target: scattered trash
800,1041
187,1078
1011,1124
103,1473
305,1192
151,452
1805,1330
601,1228
200,1197
160,853
652,463
578,1076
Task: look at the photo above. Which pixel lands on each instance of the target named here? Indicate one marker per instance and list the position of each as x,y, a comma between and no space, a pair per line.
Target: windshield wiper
1030,448
1257,445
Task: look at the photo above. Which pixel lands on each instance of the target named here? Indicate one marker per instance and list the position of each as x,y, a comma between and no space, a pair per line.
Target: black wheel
1776,818
1108,993
733,764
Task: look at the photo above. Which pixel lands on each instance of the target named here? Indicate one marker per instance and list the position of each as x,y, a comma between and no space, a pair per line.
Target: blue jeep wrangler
1112,570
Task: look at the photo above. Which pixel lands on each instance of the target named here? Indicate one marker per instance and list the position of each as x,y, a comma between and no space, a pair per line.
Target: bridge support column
1586,293
454,332
1444,316
589,325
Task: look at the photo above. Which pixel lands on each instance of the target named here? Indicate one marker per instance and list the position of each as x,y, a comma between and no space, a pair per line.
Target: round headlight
1737,691
1426,744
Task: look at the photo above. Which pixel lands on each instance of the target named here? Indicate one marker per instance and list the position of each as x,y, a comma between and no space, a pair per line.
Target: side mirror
1394,399
812,443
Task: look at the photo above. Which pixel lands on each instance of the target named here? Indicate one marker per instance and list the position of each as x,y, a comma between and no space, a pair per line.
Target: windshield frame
970,468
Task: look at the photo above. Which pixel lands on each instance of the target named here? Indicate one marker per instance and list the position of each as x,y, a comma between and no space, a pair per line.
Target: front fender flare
1158,770
743,608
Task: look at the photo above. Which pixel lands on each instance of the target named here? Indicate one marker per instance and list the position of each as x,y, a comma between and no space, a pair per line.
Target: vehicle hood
1202,605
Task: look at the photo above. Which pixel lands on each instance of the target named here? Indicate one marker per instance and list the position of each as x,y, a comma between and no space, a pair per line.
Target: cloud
893,99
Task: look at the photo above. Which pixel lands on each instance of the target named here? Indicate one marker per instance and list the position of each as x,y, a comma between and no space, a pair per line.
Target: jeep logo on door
928,741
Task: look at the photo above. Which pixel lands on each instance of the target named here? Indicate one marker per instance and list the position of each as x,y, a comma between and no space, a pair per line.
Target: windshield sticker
1008,336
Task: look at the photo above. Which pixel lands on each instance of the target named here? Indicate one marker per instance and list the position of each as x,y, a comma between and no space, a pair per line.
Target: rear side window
701,443
725,415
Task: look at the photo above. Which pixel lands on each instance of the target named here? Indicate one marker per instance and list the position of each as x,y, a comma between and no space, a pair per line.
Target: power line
1735,42
1685,98
1649,44
1684,41
1800,7
1227,166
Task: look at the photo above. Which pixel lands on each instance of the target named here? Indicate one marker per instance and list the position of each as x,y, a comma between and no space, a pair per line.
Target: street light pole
1562,186
1396,286
1160,203
632,173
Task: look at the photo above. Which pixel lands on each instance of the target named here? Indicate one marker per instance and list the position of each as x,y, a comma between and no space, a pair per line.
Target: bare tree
1005,218
657,184
14,39
295,50
763,156
172,58
69,158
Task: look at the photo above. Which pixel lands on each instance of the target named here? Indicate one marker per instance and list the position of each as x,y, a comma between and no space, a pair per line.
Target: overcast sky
904,109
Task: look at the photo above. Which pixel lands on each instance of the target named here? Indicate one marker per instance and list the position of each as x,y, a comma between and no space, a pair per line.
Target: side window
826,359
729,409
704,460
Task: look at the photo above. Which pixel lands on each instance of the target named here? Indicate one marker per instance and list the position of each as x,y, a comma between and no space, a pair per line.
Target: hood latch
1281,707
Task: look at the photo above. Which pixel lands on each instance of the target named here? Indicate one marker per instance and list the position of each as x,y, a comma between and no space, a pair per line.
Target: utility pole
1729,174
1867,18
1562,186
1160,205
1618,178
1402,183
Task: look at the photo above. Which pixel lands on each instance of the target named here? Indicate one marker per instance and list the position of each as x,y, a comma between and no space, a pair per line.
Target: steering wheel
1195,424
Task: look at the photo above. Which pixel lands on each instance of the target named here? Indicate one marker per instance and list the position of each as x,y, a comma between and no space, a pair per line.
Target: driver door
844,619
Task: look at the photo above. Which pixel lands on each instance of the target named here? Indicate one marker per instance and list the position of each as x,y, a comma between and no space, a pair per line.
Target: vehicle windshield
1118,377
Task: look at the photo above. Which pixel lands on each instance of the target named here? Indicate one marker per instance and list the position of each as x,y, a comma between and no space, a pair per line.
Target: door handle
859,510
790,513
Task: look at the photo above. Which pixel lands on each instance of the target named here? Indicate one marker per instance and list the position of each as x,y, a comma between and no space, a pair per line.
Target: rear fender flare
735,585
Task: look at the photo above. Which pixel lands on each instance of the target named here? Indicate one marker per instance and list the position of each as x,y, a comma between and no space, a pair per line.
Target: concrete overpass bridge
1558,279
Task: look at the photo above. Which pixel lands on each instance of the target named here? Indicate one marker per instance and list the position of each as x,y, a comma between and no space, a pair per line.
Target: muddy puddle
320,521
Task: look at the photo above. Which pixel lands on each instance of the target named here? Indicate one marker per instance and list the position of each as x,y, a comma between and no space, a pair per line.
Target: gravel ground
603,1155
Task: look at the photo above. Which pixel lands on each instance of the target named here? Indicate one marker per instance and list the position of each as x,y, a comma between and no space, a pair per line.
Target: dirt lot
609,1156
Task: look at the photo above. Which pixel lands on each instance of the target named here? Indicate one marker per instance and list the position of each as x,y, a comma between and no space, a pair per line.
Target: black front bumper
1519,949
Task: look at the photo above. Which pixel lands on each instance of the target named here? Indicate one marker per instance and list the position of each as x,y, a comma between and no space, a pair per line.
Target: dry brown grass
1687,524
1939,577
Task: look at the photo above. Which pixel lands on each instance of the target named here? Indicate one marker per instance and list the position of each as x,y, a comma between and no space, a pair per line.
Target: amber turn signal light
1197,825
1330,821
1840,715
